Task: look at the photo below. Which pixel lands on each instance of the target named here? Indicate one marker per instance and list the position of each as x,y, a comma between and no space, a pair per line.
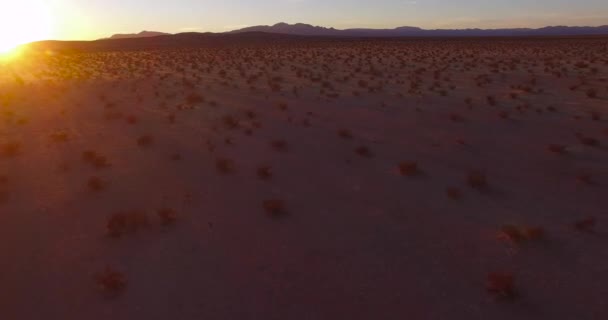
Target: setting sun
23,22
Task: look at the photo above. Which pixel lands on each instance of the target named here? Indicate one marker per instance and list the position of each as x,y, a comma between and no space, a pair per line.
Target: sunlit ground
11,55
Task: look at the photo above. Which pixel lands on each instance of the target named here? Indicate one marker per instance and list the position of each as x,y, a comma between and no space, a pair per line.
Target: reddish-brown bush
501,285
111,281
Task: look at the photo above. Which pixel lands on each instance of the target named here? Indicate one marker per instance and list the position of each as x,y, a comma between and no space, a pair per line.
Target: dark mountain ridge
310,30
283,33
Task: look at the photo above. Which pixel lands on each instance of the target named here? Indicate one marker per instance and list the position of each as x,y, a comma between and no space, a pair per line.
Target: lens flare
22,22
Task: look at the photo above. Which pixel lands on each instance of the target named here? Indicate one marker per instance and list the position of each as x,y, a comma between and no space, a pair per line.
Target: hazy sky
89,19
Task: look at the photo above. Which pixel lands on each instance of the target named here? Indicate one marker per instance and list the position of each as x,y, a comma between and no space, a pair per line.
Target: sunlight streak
23,22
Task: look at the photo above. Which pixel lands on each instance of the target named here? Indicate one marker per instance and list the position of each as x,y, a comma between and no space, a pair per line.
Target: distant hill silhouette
309,30
283,33
294,29
143,34
169,41
302,29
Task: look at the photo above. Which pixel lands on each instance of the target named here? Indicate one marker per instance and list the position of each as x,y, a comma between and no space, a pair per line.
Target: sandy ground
346,234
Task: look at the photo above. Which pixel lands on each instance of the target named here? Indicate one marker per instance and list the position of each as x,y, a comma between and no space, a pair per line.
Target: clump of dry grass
345,134
557,148
131,119
167,216
225,165
408,168
126,222
96,184
363,151
95,159
264,172
501,285
145,141
518,234
588,141
453,193
274,207
279,145
111,282
477,180
10,149
585,224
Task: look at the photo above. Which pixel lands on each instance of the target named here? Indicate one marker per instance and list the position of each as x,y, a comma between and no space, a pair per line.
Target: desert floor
421,179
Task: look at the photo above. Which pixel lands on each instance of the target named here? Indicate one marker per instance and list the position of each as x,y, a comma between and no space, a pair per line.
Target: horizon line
200,31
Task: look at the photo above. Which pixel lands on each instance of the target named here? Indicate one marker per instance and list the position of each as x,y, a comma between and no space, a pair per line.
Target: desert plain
309,179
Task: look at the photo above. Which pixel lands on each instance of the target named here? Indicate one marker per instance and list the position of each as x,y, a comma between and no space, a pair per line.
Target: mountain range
283,33
143,34
302,29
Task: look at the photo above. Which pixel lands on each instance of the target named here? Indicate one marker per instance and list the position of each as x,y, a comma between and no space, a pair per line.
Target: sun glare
22,22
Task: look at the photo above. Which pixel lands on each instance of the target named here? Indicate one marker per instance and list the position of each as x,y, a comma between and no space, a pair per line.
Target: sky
92,19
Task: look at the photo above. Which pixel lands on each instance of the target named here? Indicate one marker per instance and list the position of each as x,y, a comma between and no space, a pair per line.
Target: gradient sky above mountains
90,19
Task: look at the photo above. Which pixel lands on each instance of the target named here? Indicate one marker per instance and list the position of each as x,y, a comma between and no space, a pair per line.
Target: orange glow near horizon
22,22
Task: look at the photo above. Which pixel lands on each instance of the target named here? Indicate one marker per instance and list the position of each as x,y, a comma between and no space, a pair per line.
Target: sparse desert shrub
477,180
126,222
592,93
557,148
167,216
264,172
518,234
131,119
145,141
250,114
96,184
279,145
501,285
345,134
274,207
171,118
588,141
363,151
95,159
88,155
282,106
230,122
10,149
113,115
586,224
195,98
225,166
111,281
584,178
453,193
408,168
117,225
491,100
456,117
533,233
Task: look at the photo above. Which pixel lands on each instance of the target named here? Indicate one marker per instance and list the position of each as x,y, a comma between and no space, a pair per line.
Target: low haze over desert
304,171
